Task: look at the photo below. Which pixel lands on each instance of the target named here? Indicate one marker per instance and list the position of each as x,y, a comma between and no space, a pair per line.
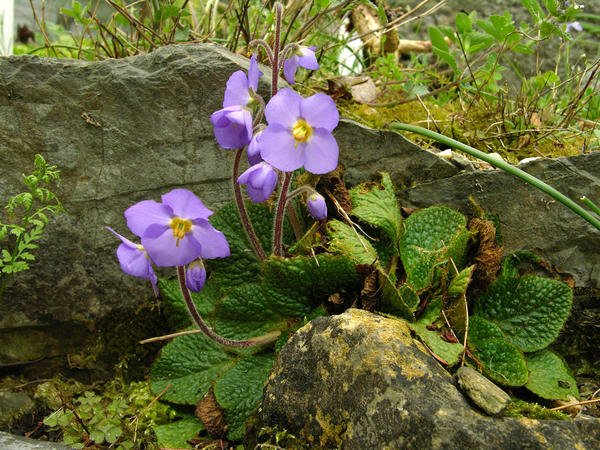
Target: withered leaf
211,415
489,253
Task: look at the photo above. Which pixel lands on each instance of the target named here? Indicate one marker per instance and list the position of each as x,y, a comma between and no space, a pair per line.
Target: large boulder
122,131
358,381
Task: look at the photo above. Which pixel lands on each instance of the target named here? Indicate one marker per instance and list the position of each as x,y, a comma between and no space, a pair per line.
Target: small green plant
27,214
123,417
420,265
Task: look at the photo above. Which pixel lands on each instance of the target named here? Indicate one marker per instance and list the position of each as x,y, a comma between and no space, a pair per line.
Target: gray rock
13,405
12,442
485,394
123,131
529,219
358,381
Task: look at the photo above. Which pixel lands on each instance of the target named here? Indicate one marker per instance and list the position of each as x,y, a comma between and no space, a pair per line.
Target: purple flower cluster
174,232
298,132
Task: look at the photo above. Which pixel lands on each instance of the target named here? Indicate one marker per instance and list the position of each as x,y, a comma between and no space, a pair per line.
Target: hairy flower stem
535,182
276,49
243,212
279,214
208,331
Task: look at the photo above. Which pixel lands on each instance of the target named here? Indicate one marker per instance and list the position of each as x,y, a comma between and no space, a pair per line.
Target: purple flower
240,88
260,181
302,57
253,151
573,26
316,206
134,260
299,132
233,126
195,276
176,231
233,123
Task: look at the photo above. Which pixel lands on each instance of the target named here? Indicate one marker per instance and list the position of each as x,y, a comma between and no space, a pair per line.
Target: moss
524,410
477,126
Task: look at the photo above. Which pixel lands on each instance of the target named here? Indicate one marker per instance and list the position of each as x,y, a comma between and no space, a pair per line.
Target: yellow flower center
301,131
180,228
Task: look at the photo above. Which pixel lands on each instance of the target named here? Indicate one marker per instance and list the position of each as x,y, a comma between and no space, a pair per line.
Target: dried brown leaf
211,415
489,253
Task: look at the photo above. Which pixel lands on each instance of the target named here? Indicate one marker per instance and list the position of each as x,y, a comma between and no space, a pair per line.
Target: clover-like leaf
549,376
377,205
349,241
502,361
431,237
530,310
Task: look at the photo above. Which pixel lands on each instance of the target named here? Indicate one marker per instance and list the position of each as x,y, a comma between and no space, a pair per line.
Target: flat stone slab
13,442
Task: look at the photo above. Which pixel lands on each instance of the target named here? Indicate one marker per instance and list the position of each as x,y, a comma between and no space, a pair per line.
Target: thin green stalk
535,182
591,205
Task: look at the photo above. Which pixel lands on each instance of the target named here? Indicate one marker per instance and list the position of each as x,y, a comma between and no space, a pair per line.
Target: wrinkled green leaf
377,205
549,376
460,283
431,237
176,434
176,312
349,241
394,301
311,277
529,310
502,361
188,366
240,390
448,351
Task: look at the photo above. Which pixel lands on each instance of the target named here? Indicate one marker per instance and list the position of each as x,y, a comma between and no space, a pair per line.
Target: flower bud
195,275
316,206
260,181
253,151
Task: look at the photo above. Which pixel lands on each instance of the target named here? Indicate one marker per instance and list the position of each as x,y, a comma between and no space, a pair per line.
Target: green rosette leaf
502,361
177,434
400,302
377,205
448,351
431,237
530,310
311,277
176,312
549,376
240,390
348,241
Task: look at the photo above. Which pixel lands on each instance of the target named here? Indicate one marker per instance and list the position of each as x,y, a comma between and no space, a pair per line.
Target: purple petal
134,262
214,243
195,276
289,69
253,151
237,92
260,181
253,74
321,152
278,148
165,251
233,127
145,213
308,59
123,238
283,108
186,205
319,111
317,206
